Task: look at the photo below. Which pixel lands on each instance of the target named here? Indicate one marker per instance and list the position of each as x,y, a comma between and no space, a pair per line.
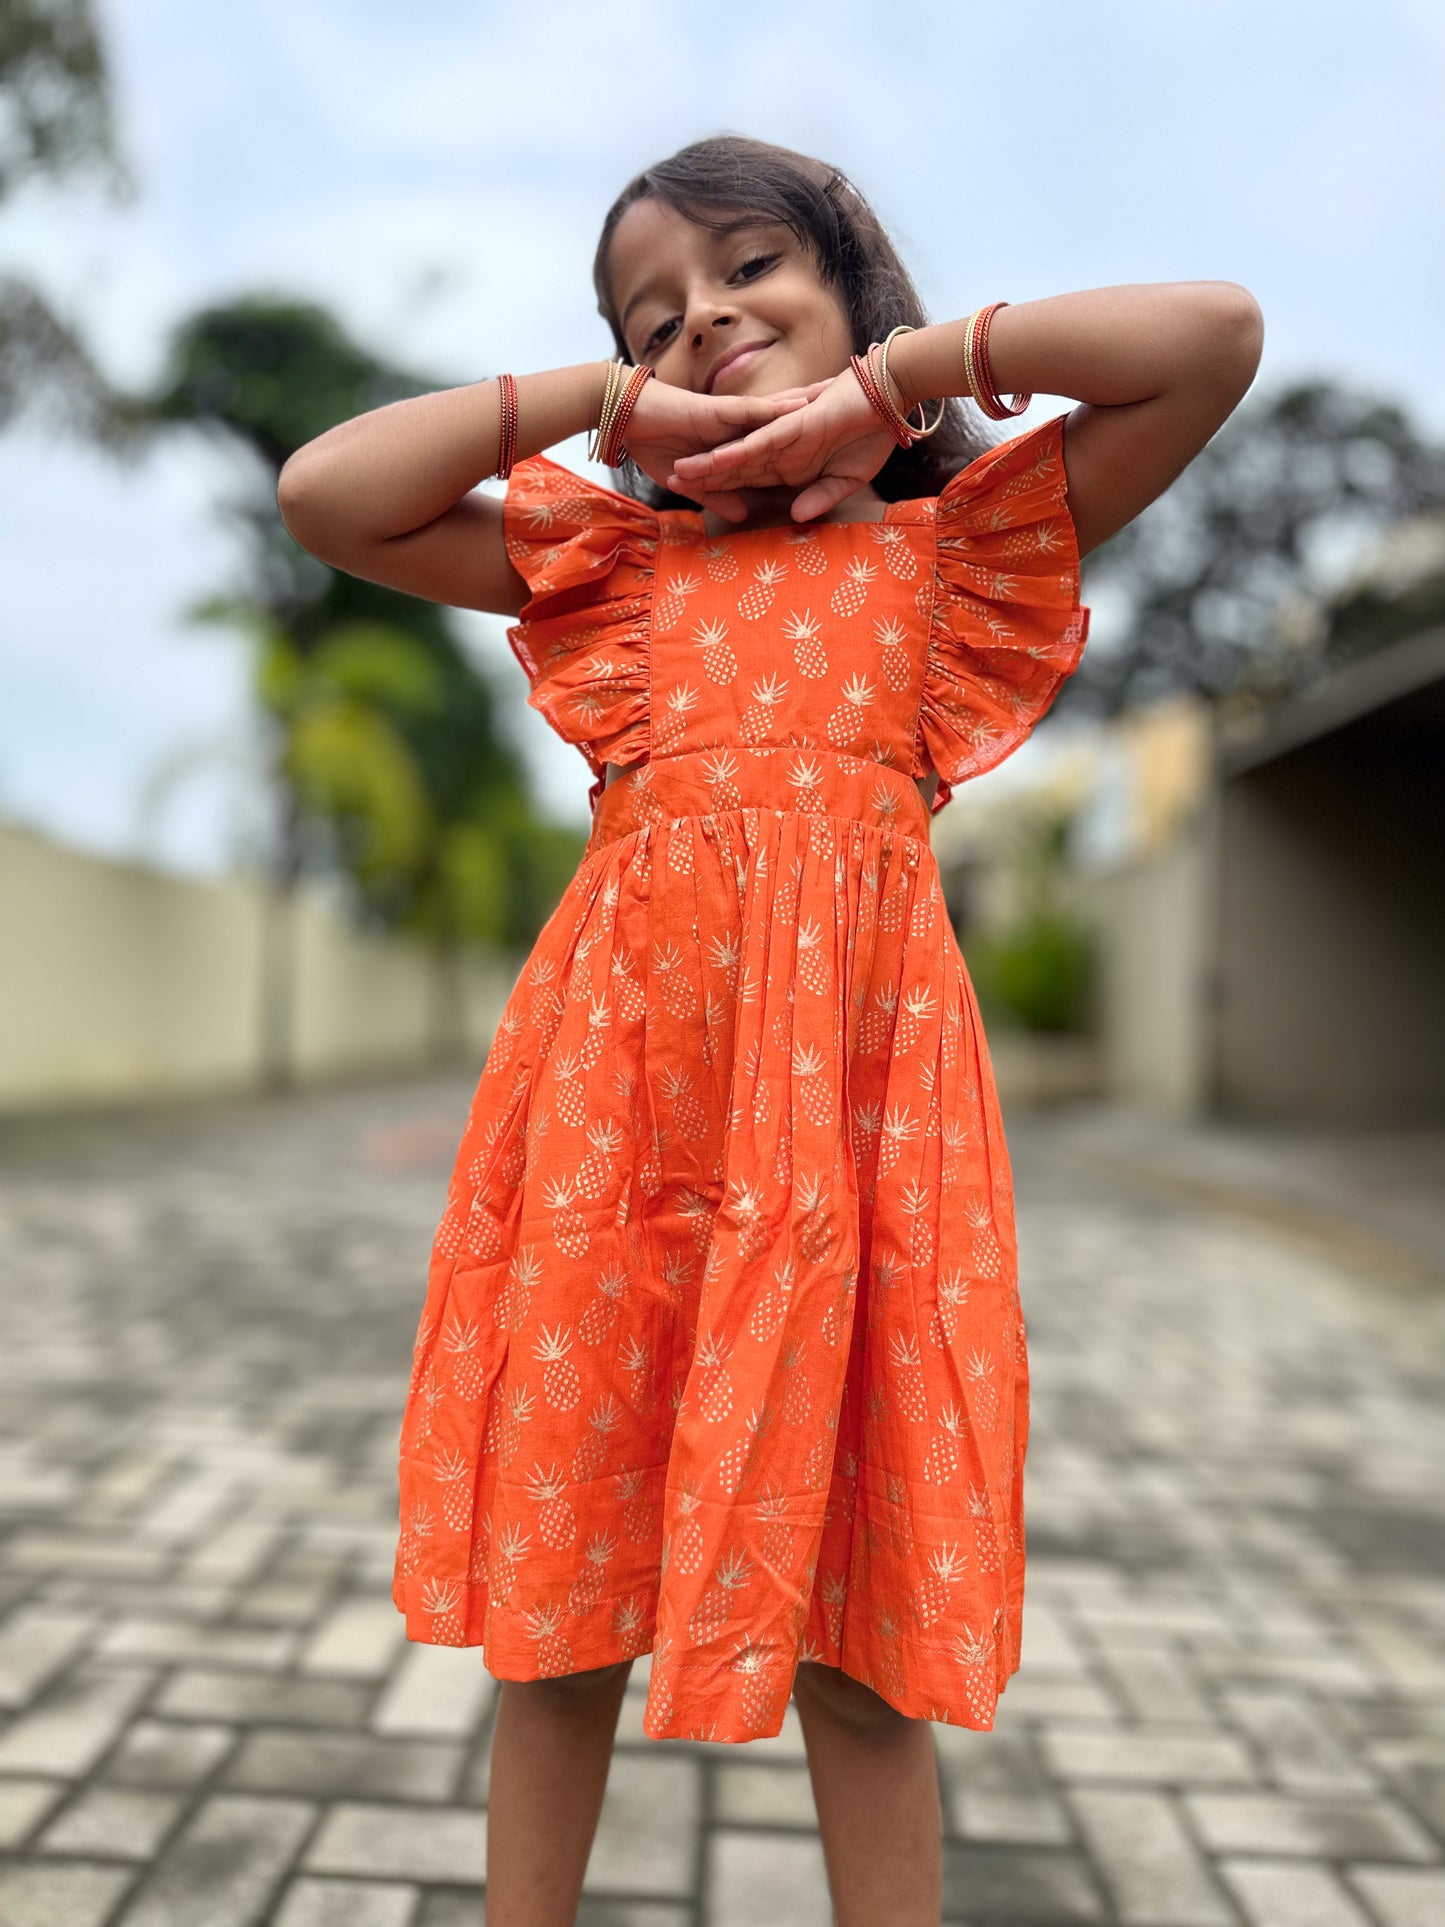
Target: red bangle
611,455
508,451
992,403
878,401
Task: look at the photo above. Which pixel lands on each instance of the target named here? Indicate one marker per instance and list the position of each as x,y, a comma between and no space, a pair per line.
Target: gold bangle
926,427
611,395
970,376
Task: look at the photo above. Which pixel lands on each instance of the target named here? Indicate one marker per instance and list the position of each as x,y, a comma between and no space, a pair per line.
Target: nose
704,318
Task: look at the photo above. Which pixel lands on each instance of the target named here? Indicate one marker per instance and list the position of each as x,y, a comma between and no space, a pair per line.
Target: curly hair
728,182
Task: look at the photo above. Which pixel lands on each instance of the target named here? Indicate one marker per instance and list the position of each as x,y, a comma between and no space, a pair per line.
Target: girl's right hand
668,422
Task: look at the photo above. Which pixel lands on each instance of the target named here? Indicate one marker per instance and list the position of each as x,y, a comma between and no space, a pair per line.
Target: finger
821,495
728,457
724,502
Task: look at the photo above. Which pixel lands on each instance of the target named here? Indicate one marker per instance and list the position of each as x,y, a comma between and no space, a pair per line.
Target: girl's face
744,313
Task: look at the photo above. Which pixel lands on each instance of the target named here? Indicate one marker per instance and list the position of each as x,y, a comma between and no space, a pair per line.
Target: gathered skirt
722,1357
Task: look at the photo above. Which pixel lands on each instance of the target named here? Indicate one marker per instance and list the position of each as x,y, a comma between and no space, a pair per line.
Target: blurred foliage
56,123
387,754
1249,531
1036,969
1037,974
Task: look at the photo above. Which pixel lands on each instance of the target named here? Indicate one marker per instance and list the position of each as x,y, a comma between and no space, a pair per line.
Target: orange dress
722,1356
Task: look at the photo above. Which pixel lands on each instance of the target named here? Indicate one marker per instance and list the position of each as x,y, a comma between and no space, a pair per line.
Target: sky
436,175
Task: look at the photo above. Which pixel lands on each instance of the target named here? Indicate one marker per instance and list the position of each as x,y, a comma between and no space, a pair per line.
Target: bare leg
875,1781
550,1754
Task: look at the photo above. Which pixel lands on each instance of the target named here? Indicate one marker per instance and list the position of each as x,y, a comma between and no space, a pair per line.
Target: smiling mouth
731,359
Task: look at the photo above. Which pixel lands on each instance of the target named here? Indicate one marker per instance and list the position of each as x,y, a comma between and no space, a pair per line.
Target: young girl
722,1358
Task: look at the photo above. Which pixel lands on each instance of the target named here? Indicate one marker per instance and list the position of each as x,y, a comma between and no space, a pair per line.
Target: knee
848,1701
572,1690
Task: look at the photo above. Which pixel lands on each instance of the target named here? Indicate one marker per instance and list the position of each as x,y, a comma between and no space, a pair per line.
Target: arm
389,495
1157,370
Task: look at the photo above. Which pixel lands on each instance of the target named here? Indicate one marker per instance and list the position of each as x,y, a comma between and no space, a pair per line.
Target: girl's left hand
828,449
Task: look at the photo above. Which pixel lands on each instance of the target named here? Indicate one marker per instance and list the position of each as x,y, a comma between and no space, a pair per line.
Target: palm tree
385,755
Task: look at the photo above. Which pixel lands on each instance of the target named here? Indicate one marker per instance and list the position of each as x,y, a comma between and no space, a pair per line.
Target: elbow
296,502
1235,338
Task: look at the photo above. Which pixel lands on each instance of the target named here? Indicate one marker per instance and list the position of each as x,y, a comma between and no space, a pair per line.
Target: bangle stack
873,380
976,370
508,452
619,398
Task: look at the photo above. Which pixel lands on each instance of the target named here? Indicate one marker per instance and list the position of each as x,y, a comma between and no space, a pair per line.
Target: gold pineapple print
803,632
441,1601
671,606
757,598
897,550
722,564
808,552
678,703
591,1455
757,719
554,1655
719,664
892,640
852,592
847,722
561,1381
715,1397
557,1521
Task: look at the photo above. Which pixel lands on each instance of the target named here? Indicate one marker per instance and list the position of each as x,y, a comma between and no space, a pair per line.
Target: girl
722,1358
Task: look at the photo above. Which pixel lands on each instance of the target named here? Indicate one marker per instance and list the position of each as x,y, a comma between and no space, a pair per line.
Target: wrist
595,373
902,389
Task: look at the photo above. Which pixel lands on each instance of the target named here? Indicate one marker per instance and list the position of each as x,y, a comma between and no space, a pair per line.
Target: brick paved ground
1232,1702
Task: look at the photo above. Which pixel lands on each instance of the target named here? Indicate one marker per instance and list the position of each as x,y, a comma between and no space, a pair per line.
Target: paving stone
1335,1829
763,1796
174,1642
757,1877
23,1805
224,1867
647,1837
1155,1873
262,1699
34,1645
1018,1885
443,1845
36,1895
1402,1896
1299,1751
75,1722
1147,1755
1233,1582
344,1765
1156,1685
165,1753
358,1640
349,1903
112,1823
1291,1893
439,1691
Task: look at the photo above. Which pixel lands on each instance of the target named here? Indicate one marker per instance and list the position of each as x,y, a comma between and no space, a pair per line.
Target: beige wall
119,983
1152,919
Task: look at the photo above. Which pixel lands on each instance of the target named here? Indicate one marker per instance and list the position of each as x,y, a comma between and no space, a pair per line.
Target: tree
386,758
57,123
1228,576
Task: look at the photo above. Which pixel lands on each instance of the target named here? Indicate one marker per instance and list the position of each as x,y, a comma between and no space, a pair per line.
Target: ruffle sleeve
587,555
1007,627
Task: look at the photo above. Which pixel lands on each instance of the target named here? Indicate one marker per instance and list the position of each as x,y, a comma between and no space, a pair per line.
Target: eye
755,261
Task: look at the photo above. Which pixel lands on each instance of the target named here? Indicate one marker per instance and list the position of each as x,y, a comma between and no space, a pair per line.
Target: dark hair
727,181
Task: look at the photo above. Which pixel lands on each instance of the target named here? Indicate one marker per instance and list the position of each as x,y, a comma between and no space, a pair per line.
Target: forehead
651,237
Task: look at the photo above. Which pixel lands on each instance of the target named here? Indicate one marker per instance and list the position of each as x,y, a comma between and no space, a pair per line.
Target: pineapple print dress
722,1356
